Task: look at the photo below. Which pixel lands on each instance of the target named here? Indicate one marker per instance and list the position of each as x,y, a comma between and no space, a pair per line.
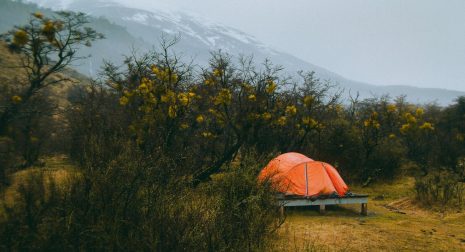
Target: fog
391,42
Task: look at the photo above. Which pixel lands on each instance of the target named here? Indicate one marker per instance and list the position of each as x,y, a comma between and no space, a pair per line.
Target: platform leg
322,209
281,210
364,211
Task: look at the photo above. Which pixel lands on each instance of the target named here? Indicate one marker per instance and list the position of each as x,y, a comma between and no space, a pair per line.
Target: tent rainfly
296,174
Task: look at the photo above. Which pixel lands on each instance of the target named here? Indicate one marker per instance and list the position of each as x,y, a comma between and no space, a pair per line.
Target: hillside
10,74
128,28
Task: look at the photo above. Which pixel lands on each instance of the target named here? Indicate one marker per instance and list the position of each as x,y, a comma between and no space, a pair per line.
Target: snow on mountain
200,36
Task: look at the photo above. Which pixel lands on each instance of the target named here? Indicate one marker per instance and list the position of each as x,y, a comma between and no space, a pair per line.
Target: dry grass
394,223
57,170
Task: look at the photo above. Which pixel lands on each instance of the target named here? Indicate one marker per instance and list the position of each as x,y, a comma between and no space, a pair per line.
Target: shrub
441,189
128,205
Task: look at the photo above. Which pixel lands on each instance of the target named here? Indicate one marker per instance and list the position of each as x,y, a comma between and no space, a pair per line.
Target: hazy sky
410,42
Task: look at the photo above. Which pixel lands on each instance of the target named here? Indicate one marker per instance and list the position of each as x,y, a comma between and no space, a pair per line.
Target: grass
394,223
58,169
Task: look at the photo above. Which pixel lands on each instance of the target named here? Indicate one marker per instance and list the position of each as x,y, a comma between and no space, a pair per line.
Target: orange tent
296,174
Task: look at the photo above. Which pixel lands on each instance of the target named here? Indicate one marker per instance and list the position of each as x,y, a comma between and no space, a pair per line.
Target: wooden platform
292,201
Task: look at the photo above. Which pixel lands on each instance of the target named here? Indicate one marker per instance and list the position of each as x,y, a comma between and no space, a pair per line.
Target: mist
395,42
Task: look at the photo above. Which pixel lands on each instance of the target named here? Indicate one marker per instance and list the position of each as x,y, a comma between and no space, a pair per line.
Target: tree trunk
205,174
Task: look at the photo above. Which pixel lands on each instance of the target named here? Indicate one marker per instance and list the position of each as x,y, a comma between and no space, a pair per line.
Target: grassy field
394,221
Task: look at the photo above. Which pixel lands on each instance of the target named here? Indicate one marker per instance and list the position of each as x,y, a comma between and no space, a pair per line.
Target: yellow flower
218,116
366,123
147,109
184,126
427,126
183,99
34,139
419,112
169,97
161,74
410,118
224,97
308,100
200,119
143,88
309,121
20,38
38,15
391,108
252,97
271,87
266,116
209,82
123,100
404,128
152,99
281,121
48,27
374,114
172,111
127,93
191,94
376,125
392,136
16,99
320,126
155,70
174,78
207,134
164,98
217,72
291,110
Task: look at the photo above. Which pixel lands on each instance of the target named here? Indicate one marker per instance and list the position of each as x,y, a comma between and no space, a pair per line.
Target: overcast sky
385,42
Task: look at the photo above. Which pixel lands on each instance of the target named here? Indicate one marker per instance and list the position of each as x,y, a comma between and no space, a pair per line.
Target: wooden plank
364,211
291,197
317,202
322,209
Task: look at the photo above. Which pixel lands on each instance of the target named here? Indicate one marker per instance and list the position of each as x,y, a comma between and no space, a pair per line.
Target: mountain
127,28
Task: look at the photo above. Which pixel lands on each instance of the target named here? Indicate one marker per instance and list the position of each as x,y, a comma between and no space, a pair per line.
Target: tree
45,46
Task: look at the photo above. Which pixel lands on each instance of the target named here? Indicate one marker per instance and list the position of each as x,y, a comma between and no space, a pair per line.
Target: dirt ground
394,223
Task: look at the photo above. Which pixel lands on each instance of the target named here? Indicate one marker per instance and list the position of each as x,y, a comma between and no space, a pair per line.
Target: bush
441,189
127,205
7,158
